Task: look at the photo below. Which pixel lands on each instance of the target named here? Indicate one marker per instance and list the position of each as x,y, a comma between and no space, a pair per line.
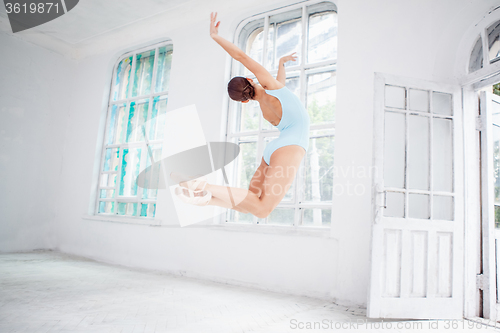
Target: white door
417,235
490,205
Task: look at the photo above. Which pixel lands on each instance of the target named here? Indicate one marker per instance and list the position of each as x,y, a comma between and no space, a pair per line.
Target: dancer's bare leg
278,178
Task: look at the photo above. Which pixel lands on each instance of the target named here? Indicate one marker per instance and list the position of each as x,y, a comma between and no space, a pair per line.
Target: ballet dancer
281,157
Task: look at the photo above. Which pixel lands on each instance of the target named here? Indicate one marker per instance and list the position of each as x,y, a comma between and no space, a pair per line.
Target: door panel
417,235
490,201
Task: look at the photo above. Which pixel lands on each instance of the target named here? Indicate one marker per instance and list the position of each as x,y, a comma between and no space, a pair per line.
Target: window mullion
103,157
118,177
140,189
486,49
296,190
304,35
264,46
106,134
131,99
132,75
299,181
155,69
121,148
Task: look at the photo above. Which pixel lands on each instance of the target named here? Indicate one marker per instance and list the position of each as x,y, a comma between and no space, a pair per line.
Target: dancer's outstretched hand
291,57
214,28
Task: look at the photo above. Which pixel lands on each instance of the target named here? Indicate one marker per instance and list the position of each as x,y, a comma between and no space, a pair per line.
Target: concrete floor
47,291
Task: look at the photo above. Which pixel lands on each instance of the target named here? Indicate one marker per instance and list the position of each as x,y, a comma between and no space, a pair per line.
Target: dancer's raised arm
281,77
263,76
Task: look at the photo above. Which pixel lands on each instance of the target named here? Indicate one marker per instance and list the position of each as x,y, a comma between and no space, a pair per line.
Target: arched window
134,132
485,53
310,29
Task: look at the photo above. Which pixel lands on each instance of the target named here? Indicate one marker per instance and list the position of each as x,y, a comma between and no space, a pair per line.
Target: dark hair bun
240,89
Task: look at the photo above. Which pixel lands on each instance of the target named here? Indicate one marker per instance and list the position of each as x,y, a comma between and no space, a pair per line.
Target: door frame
476,223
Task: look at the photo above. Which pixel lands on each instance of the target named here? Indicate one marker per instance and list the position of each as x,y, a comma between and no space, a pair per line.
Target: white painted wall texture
34,104
409,38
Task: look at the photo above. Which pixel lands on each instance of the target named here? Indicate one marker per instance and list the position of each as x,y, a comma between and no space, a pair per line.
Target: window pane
271,48
476,57
283,216
235,216
148,210
152,172
322,41
442,103
108,180
493,33
107,194
418,206
394,204
442,208
419,100
111,159
418,152
152,210
121,126
107,207
164,67
131,162
249,116
137,116
321,97
254,42
293,83
143,73
497,216
122,79
246,164
395,97
117,111
394,150
442,155
288,35
127,209
318,167
157,123
316,216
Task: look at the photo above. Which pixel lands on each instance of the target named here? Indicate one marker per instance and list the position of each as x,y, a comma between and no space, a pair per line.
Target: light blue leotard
294,124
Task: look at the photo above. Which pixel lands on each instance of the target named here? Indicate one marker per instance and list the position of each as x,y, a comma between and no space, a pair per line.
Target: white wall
34,97
408,38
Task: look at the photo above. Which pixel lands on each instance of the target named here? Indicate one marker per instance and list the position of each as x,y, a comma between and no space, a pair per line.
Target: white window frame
127,101
305,70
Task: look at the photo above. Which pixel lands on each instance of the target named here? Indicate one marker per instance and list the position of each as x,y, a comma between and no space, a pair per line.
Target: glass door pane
394,150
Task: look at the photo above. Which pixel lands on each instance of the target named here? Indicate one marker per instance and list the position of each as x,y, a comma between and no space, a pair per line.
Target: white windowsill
122,219
323,232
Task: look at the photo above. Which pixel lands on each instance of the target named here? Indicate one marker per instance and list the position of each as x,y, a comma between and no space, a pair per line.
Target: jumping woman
282,156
